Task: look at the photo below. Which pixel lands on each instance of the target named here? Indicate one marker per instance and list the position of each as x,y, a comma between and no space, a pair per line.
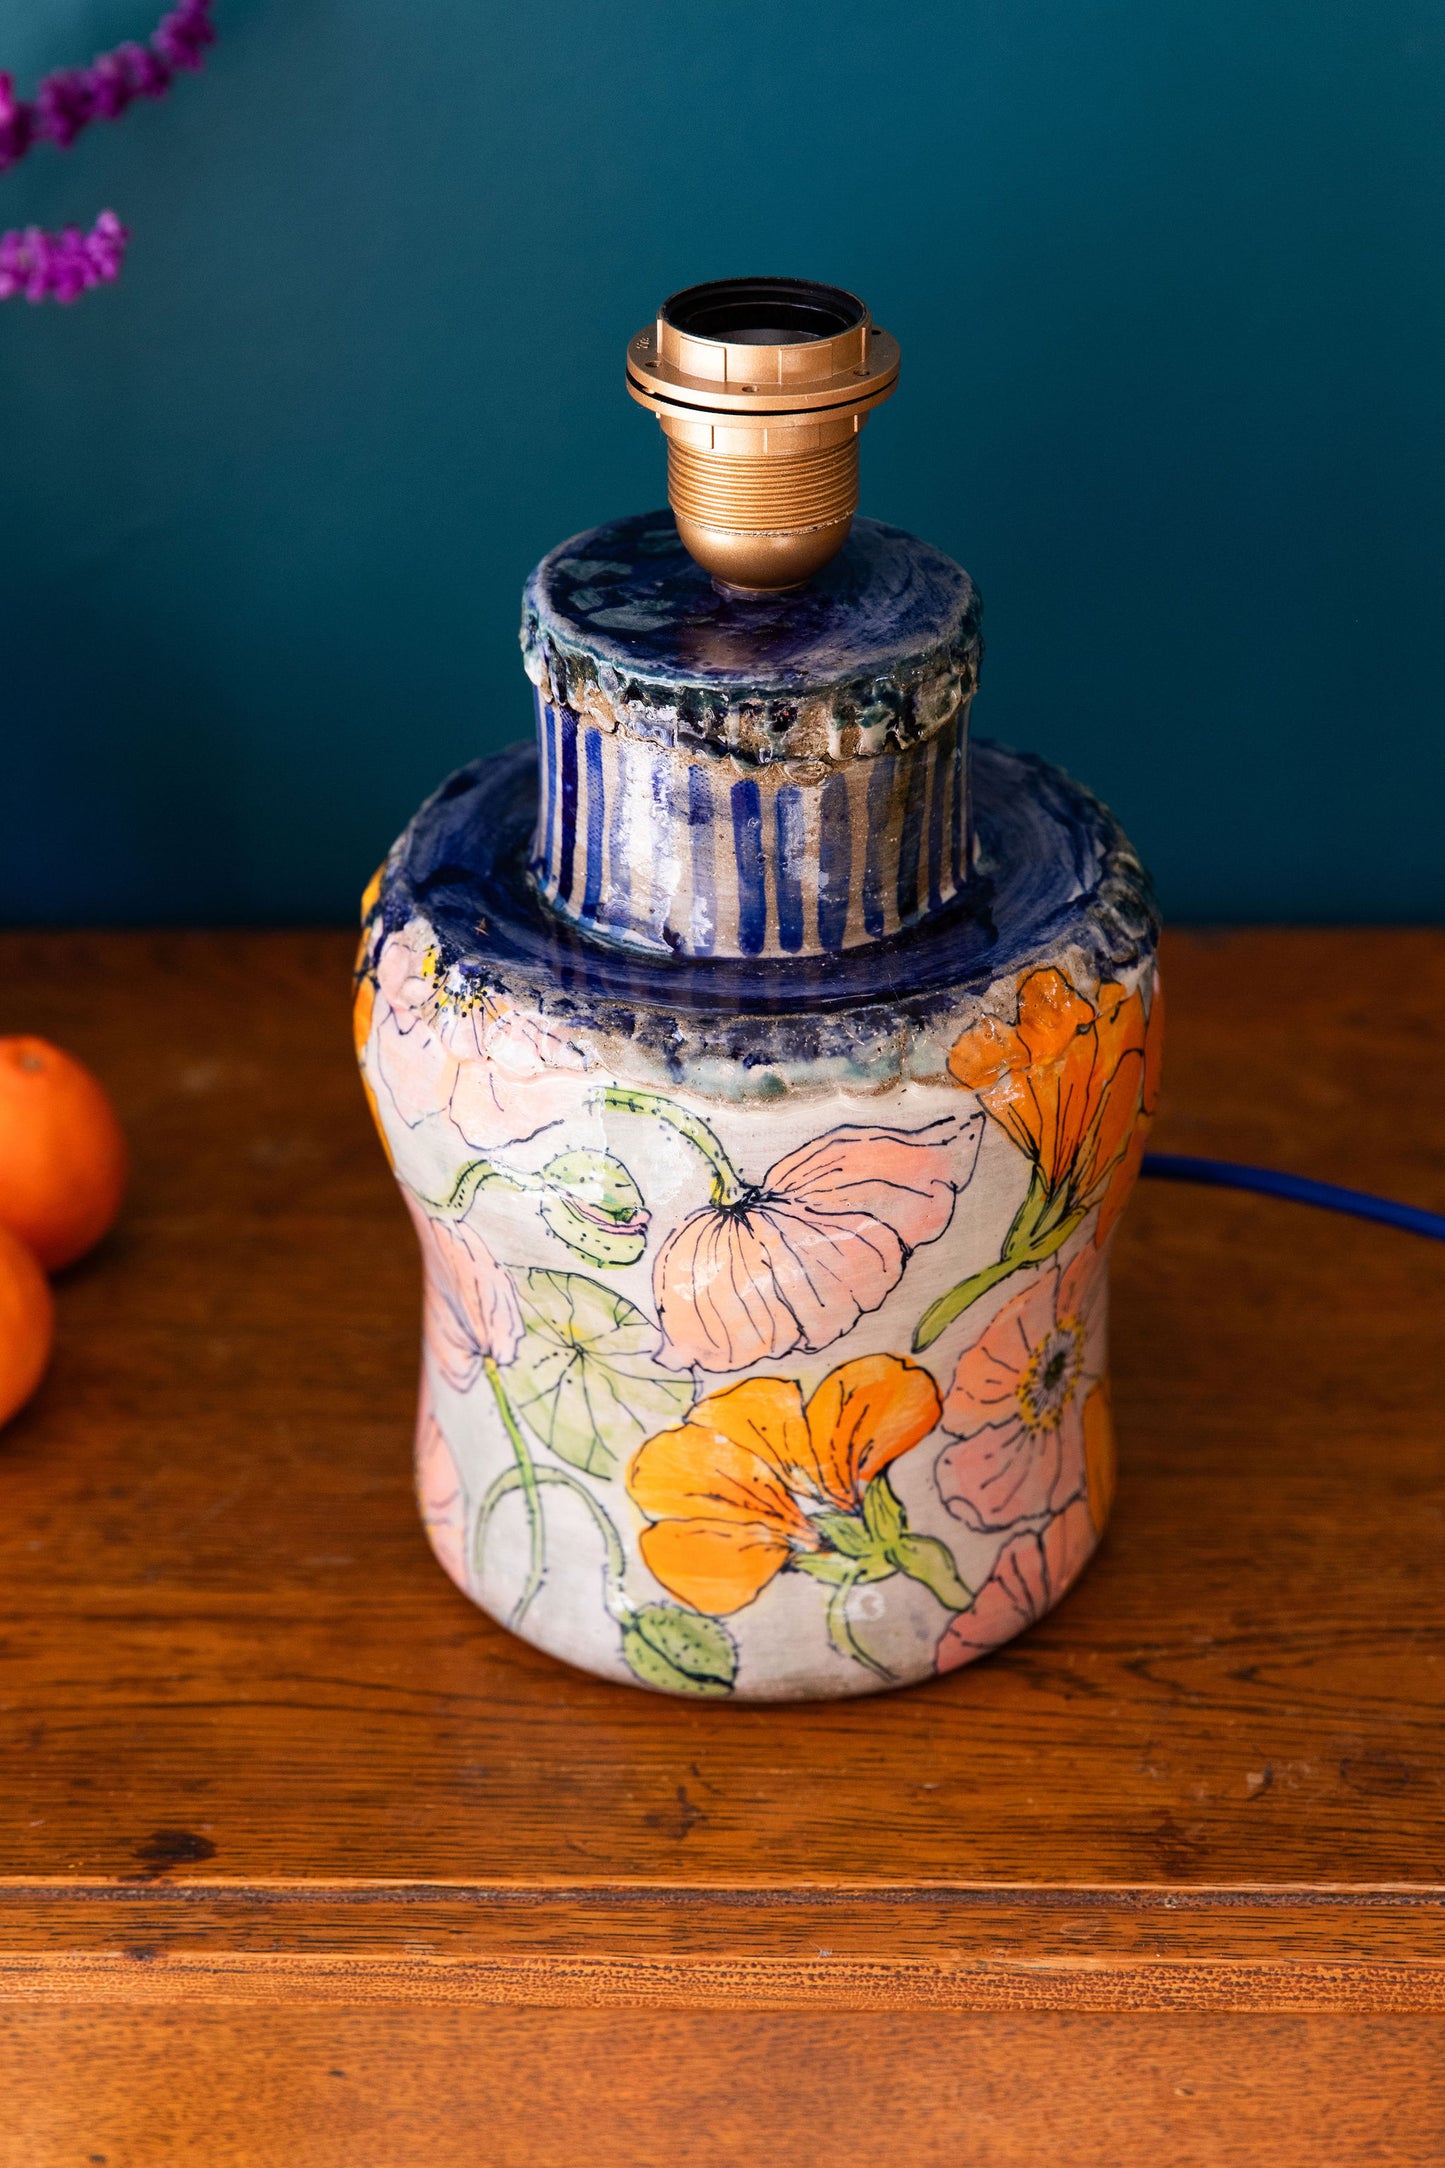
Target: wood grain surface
523,2088
270,1779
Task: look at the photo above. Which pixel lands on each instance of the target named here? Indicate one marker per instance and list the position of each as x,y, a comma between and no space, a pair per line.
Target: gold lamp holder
762,387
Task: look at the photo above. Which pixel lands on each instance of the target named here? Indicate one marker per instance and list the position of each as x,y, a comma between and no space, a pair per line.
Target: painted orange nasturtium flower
1066,1081
1072,1083
1126,1167
755,1481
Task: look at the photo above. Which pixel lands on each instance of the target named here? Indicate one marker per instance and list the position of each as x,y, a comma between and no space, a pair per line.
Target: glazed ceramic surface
766,1293
779,776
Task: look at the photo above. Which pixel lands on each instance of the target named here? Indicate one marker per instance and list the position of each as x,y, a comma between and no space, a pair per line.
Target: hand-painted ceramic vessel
765,1073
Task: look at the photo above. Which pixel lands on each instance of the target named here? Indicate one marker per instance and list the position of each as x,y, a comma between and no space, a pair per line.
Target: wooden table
306,1862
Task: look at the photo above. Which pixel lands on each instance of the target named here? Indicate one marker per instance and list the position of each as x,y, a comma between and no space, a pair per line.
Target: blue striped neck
733,779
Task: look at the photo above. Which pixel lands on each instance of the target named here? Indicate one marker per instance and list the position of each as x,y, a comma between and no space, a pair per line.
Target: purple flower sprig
61,266
71,98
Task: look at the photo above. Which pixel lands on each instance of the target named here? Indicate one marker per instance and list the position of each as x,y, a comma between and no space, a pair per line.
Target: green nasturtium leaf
876,1544
925,1559
585,1379
881,1511
832,1567
680,1651
845,1534
591,1203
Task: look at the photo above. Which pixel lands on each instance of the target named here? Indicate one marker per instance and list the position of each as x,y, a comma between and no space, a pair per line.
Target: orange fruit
27,1324
62,1154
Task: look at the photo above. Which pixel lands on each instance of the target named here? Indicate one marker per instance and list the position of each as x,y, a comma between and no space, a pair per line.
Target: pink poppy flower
1017,1400
1029,1577
439,1491
795,1260
448,1043
471,1314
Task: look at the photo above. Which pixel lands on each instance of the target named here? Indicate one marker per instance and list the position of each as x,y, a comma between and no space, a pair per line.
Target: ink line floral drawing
472,1313
587,1199
440,1494
793,1261
572,1361
1067,1082
1021,1403
1030,1575
759,1478
759,1271
586,1380
448,1042
755,1482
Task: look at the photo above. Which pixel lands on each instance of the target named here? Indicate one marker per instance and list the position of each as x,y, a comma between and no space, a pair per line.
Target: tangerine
62,1152
27,1323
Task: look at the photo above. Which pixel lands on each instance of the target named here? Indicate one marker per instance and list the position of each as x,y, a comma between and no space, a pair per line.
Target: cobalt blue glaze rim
1052,867
627,597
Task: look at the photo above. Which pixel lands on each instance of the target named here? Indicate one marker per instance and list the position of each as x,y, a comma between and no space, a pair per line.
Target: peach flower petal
754,1283
528,1077
415,1066
907,1179
447,1044
1017,1396
439,1492
471,1307
718,1307
1083,1294
986,1380
1000,1477
820,1242
1029,1577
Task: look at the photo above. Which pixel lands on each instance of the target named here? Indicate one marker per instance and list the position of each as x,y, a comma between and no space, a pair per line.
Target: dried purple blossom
17,123
146,73
63,105
182,37
61,266
70,98
110,91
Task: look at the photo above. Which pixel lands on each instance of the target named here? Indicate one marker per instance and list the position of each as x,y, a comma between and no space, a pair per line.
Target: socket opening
763,312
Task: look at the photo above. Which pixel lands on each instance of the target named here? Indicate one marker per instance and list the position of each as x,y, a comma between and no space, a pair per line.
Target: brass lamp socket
762,387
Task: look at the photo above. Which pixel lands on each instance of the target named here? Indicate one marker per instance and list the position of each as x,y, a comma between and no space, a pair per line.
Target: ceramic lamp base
765,1348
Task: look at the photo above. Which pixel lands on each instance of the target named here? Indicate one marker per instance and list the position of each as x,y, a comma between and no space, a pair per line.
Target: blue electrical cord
1224,1174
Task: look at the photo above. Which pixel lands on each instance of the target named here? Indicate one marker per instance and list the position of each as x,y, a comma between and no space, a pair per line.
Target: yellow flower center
452,993
1051,1376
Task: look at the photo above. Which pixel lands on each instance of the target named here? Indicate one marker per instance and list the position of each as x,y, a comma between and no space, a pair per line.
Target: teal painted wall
1168,279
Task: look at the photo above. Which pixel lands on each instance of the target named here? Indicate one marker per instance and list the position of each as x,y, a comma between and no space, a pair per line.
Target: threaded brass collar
761,387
